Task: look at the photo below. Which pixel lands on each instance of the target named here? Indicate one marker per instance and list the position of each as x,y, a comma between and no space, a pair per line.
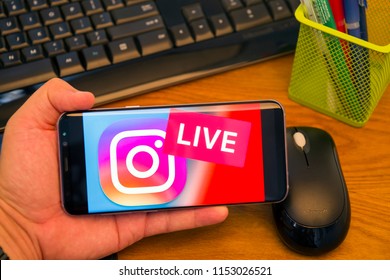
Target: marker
363,19
337,8
352,17
338,14
324,13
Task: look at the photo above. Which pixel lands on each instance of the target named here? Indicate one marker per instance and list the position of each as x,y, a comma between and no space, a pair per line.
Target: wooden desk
249,232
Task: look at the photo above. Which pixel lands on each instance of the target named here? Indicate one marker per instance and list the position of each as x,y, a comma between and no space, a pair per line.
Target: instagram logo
133,168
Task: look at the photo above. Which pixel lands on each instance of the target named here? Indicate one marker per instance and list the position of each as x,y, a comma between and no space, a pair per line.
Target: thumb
45,106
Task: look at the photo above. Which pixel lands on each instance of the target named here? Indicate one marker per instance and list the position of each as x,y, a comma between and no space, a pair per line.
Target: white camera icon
130,165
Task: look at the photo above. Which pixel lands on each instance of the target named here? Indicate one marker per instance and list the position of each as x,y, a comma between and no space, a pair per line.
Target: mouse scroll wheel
299,139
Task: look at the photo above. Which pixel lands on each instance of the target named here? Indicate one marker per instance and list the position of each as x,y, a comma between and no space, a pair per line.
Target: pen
338,14
337,8
365,54
363,19
352,17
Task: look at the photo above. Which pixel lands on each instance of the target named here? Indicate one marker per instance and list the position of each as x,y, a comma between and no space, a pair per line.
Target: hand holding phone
30,191
149,158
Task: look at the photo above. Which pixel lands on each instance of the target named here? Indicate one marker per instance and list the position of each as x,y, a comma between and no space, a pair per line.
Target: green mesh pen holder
340,75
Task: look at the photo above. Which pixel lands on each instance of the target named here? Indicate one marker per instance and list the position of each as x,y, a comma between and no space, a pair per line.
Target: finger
153,223
45,106
169,221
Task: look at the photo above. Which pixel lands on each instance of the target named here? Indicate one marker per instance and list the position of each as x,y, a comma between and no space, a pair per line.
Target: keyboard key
39,35
221,25
15,7
37,4
136,27
155,41
33,53
30,20
250,17
92,7
134,12
68,64
279,9
2,11
112,4
102,20
24,75
193,12
293,4
8,26
51,16
97,37
17,41
81,25
72,11
132,2
181,35
201,30
60,30
2,45
123,49
232,4
76,43
58,2
95,57
54,48
10,59
252,2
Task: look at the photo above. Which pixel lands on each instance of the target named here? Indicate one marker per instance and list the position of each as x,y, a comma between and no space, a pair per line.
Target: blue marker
352,17
363,19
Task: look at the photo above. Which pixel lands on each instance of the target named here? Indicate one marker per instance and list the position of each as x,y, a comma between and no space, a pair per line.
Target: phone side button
66,164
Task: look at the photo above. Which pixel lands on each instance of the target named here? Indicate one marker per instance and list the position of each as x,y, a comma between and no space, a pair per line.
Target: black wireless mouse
315,216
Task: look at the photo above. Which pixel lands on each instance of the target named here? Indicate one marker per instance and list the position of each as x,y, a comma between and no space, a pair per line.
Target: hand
33,224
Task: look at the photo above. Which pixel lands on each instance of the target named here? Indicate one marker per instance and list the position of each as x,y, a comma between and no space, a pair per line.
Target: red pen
338,14
337,7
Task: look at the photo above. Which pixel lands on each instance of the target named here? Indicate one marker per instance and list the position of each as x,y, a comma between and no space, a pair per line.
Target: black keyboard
120,48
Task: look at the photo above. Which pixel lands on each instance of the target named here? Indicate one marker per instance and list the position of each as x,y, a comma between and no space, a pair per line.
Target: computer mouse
315,216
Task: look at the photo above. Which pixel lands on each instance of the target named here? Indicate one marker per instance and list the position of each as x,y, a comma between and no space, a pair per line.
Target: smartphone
151,158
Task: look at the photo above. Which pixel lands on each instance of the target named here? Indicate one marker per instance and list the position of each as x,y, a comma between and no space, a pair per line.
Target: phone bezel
74,198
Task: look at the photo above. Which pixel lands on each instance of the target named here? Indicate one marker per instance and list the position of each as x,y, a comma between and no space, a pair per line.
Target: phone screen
168,157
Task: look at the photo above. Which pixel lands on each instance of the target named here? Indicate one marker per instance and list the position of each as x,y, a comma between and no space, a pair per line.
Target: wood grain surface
250,232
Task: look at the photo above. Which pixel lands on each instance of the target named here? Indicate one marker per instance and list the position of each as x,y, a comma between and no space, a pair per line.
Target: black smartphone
150,158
